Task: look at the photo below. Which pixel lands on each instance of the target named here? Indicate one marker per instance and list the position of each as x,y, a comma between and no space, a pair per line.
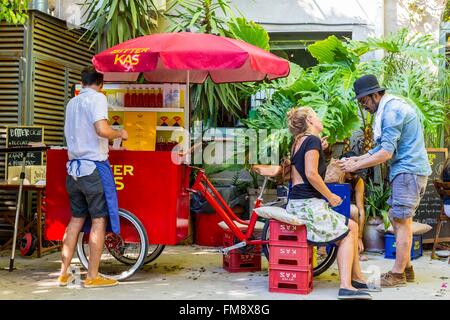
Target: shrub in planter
376,214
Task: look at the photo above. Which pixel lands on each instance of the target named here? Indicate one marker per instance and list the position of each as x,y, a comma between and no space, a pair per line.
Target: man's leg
403,242
69,242
96,242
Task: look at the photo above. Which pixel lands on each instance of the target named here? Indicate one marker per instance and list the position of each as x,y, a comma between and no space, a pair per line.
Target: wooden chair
443,189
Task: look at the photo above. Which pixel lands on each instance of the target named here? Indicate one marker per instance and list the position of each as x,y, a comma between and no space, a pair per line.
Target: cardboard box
33,174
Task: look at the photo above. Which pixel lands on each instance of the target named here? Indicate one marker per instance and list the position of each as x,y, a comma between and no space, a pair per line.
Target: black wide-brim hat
366,85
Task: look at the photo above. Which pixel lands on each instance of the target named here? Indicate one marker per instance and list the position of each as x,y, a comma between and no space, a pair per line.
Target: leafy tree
14,11
110,22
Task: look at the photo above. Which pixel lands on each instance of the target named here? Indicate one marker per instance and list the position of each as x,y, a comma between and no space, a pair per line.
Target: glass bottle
152,98
127,98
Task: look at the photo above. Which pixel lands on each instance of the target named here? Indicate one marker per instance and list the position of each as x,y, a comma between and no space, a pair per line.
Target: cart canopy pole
187,137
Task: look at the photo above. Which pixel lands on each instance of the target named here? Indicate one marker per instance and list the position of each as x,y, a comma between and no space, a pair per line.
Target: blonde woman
306,201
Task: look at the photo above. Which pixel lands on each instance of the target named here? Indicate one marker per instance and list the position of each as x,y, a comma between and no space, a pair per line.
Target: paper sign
141,128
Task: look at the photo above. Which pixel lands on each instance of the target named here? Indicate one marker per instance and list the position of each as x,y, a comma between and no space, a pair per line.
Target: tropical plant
405,51
216,17
409,70
272,116
14,11
201,16
421,90
110,22
376,202
327,88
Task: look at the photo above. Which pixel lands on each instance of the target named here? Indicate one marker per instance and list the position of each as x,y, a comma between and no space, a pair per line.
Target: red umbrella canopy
166,57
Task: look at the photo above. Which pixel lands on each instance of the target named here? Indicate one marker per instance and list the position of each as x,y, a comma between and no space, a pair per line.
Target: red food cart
153,185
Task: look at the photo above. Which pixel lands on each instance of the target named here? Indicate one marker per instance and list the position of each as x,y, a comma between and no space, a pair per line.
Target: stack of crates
290,265
246,259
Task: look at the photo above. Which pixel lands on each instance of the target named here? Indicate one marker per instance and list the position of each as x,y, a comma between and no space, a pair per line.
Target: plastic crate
289,254
280,231
343,190
237,262
297,280
390,250
229,239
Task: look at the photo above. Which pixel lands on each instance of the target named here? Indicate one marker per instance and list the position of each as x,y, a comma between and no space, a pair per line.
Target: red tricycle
153,194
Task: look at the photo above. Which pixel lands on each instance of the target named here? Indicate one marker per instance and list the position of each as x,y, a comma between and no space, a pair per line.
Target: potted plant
376,214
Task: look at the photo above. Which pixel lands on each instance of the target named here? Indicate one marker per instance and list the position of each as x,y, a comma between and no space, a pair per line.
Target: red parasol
188,58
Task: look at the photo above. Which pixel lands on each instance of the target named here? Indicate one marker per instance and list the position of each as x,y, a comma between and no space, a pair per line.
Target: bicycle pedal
233,247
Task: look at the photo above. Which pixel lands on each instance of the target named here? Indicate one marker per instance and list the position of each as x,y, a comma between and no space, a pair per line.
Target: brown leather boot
390,279
409,274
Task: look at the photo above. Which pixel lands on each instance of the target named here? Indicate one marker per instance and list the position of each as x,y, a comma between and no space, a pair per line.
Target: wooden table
40,201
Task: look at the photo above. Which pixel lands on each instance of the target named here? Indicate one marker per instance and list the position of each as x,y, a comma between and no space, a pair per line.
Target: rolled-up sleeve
375,150
392,125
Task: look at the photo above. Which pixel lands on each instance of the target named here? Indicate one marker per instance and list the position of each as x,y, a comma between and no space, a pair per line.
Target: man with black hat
398,134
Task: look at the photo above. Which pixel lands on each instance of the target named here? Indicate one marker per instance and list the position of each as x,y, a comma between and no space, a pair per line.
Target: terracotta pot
373,240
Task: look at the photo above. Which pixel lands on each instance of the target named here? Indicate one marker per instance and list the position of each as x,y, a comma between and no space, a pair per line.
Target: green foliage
422,92
14,11
207,98
249,32
272,116
409,70
113,21
202,16
405,51
405,71
376,202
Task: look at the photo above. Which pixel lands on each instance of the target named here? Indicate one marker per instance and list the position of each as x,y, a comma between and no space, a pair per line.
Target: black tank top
305,190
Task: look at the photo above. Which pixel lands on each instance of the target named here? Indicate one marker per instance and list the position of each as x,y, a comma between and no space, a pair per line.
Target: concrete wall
362,17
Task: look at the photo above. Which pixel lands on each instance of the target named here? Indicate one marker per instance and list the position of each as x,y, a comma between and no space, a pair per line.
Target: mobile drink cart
152,181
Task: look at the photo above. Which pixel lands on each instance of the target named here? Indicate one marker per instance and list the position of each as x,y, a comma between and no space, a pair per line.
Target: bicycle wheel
131,243
154,250
325,255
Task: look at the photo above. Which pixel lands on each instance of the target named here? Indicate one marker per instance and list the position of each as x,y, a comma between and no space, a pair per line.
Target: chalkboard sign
430,206
22,136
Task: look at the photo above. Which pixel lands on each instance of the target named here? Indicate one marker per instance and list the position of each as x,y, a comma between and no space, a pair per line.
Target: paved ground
192,272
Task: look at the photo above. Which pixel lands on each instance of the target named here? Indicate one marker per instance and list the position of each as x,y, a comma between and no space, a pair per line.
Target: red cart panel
149,184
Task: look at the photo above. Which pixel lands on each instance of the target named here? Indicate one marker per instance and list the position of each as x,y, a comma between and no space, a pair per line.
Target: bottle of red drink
140,99
152,98
127,100
159,98
146,98
132,98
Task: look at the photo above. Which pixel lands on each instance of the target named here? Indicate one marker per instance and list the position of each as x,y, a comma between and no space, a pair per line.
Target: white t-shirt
82,140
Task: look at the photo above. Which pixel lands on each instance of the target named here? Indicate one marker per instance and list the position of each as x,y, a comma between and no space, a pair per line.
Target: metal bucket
41,5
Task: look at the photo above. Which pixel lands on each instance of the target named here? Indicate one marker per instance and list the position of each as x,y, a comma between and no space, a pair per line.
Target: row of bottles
144,98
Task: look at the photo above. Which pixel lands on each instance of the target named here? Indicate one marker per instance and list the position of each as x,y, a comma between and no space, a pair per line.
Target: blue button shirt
402,135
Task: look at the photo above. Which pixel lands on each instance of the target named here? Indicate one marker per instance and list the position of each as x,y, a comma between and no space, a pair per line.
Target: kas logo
128,57
288,251
288,227
288,276
246,257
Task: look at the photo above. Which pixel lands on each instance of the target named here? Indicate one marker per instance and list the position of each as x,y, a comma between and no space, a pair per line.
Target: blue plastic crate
343,190
389,245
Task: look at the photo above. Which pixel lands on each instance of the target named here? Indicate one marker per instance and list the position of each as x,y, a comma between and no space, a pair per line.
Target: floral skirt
323,224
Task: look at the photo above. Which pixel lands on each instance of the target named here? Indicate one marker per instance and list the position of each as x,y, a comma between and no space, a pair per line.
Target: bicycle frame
207,190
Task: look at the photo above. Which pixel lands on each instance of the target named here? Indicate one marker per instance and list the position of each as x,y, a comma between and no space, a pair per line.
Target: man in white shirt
89,183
